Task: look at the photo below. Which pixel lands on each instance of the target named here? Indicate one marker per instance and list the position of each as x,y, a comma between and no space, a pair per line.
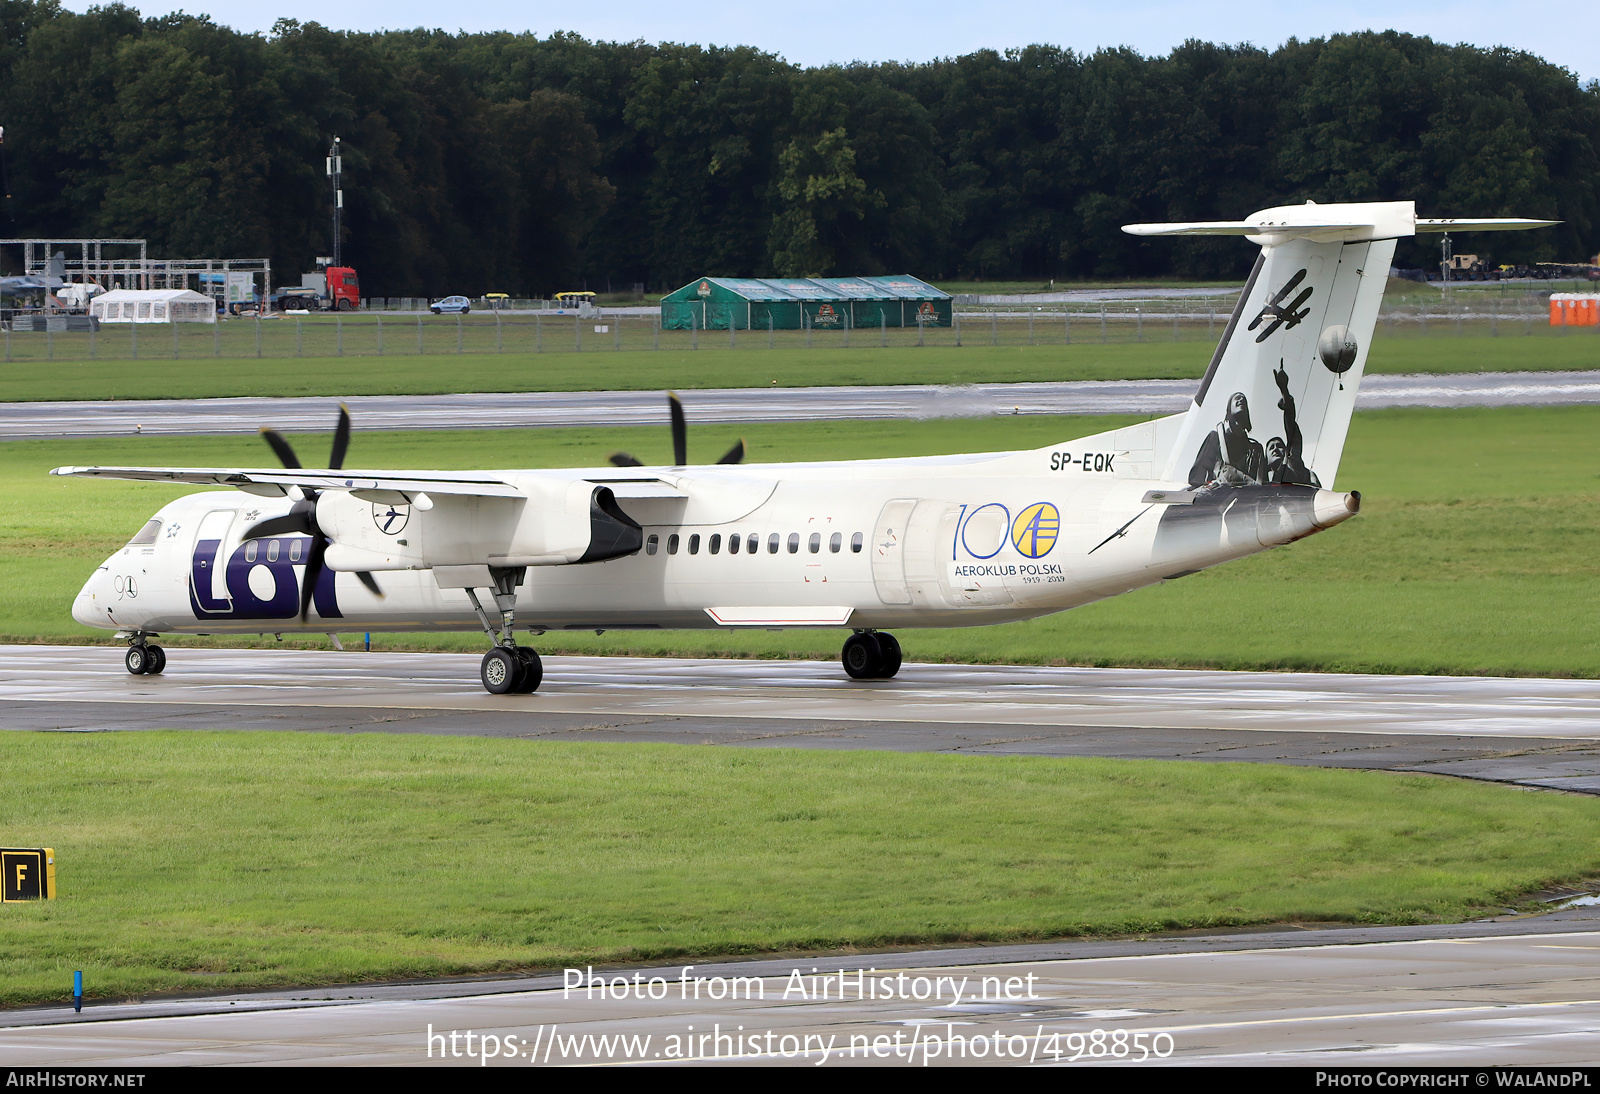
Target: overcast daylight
836,31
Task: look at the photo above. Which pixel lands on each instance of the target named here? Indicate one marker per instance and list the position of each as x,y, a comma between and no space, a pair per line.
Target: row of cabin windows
752,544
252,550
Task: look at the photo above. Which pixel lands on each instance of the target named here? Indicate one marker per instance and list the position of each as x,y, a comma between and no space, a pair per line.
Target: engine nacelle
553,524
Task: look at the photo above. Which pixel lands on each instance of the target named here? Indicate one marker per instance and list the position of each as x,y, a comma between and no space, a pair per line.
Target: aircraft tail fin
1275,403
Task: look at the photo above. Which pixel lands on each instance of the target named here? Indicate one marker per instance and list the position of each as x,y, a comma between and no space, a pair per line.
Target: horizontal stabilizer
1498,224
1345,223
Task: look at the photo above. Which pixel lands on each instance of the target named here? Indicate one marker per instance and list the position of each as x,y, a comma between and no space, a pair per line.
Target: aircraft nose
90,606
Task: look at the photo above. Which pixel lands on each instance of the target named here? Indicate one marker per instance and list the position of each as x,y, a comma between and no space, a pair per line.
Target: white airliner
867,545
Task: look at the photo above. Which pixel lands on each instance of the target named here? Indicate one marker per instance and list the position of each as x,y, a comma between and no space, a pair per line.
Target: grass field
213,861
715,365
1474,552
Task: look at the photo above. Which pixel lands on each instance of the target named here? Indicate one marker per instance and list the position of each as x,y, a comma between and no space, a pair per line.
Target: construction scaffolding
225,280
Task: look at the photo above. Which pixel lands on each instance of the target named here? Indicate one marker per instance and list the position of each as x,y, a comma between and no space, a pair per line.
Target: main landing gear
513,670
507,669
144,659
871,655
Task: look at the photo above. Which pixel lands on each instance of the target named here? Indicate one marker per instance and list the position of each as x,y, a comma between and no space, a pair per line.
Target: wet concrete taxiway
1533,732
599,408
1514,990
1520,992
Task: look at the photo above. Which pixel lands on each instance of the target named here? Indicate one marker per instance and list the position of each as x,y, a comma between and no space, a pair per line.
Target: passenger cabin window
672,544
753,544
716,543
651,543
250,551
294,550
794,543
147,534
834,541
694,544
733,543
272,550
855,544
816,542
772,544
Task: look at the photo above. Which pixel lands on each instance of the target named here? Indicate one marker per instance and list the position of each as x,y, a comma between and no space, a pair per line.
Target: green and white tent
793,303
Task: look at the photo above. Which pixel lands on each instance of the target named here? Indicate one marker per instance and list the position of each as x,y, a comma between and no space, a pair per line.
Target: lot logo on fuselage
275,573
1036,530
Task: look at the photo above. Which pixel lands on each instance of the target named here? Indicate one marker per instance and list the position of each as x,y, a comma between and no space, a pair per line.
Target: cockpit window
147,534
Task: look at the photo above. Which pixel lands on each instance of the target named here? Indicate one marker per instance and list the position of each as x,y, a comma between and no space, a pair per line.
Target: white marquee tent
153,306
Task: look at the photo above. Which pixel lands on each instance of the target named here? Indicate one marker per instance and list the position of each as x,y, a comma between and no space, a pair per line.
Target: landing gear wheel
862,656
157,658
532,673
137,659
499,670
890,645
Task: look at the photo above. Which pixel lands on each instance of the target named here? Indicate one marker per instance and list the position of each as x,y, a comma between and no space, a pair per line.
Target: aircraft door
208,574
888,548
930,538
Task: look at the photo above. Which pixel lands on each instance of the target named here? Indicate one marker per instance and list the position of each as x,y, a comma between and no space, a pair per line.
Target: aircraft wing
274,482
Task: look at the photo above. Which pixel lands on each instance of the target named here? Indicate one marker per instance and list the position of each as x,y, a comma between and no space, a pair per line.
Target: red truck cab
344,290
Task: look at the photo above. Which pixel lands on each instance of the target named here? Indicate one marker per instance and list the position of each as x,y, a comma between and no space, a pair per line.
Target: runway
1532,732
600,408
1518,992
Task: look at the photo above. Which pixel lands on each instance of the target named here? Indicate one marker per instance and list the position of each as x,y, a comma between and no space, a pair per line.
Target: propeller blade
734,454
308,583
370,582
622,459
341,438
281,447
296,520
680,431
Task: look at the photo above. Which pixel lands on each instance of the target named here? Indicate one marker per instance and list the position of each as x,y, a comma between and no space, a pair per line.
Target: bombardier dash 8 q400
867,545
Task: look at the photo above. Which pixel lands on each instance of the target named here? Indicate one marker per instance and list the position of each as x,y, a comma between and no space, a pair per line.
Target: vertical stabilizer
1275,404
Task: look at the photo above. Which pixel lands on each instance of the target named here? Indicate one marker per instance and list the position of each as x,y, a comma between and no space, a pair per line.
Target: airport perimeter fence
377,334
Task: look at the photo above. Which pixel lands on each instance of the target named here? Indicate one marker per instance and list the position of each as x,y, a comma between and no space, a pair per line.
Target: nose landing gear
871,655
144,659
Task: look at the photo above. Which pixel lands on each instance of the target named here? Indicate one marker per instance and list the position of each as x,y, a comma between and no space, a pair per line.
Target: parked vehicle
329,289
344,288
458,305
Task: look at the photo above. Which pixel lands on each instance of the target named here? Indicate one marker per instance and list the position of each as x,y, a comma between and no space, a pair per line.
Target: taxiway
1533,732
112,418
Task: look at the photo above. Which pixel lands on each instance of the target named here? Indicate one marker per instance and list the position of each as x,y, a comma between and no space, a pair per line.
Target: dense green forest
506,162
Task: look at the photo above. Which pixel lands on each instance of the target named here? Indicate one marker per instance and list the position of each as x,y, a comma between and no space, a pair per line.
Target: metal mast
335,178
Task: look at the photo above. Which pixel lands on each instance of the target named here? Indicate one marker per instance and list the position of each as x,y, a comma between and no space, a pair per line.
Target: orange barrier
1568,309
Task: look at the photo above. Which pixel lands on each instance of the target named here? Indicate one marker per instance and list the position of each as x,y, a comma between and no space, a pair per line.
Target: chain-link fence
380,334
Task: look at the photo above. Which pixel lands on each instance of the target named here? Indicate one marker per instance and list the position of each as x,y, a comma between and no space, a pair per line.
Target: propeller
302,516
680,441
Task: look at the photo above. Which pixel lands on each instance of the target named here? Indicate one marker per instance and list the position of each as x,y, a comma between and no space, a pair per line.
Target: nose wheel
511,670
145,660
871,655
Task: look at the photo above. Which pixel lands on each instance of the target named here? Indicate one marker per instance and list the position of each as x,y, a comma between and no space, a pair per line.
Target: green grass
211,861
749,365
1474,552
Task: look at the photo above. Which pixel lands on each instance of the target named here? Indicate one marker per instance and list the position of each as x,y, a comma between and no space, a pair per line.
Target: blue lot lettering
241,603
1086,461
1047,568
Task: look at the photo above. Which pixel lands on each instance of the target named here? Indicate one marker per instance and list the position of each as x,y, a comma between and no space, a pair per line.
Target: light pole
335,176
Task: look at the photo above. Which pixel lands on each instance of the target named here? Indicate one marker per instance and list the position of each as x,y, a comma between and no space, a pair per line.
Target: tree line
508,162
